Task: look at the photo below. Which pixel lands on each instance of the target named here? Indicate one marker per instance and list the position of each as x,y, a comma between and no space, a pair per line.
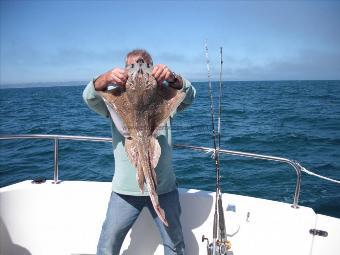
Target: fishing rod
225,245
219,246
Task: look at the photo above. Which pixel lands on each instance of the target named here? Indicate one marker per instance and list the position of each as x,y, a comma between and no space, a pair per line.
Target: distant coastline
83,83
42,84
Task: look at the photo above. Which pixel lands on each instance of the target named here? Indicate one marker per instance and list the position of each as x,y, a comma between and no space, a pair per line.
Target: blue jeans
123,211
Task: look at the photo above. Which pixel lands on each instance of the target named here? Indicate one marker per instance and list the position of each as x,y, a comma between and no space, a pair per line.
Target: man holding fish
141,108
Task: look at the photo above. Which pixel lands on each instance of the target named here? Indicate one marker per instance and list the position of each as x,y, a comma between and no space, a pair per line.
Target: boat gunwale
295,164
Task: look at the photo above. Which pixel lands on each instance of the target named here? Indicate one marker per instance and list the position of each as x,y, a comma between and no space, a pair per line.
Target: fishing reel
221,247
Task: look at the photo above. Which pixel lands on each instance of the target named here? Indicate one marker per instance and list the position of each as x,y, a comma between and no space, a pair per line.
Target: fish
144,107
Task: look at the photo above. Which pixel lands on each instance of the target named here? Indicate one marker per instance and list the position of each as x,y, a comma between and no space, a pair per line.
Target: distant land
42,84
81,83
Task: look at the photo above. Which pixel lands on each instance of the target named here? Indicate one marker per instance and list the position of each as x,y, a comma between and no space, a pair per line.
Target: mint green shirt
124,180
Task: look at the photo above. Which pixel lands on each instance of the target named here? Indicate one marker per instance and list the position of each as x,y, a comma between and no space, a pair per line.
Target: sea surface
298,120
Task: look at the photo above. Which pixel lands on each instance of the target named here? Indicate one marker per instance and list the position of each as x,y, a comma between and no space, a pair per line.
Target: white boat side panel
52,219
327,245
271,228
66,218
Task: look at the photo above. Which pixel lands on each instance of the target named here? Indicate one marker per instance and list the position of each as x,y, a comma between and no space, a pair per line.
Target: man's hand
162,73
116,76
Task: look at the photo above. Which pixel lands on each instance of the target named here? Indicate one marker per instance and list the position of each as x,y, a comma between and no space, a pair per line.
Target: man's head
136,54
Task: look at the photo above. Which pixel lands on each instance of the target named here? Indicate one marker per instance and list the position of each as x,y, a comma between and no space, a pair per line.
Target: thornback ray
144,107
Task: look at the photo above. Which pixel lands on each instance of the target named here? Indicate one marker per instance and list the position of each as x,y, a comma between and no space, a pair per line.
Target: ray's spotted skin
144,107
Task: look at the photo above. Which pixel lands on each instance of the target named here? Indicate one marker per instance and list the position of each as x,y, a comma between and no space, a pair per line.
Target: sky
57,41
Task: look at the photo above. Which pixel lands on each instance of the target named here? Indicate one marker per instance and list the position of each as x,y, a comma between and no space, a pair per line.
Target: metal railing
56,139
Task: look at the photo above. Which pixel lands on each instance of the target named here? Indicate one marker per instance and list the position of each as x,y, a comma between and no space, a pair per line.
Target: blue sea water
299,120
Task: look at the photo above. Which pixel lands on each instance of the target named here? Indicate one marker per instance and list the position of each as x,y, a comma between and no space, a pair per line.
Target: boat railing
56,138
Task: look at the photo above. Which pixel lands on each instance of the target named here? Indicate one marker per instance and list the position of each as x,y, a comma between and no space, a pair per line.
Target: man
127,201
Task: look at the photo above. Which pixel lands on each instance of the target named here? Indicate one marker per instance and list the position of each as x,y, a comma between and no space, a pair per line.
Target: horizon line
84,83
67,83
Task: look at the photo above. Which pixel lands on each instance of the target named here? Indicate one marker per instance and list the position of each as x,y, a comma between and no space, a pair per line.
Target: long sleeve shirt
124,179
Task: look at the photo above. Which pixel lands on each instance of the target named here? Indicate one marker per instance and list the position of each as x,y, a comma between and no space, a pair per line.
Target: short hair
139,53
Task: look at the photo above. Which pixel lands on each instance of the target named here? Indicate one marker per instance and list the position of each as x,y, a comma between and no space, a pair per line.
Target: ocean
298,120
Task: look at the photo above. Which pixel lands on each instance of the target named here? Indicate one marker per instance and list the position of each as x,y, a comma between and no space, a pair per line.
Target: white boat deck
67,218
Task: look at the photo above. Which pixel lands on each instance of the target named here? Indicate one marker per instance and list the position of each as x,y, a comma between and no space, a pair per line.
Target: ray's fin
132,153
154,155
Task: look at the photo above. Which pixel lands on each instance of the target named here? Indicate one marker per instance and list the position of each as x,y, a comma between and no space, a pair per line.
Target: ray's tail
145,162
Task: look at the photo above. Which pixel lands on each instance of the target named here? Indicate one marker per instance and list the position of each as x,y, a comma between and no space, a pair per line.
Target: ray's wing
166,102
119,102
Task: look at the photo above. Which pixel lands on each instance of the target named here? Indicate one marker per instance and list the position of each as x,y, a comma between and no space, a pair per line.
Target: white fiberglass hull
66,219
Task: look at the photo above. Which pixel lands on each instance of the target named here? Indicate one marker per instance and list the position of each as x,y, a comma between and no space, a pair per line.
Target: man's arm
116,76
190,94
94,101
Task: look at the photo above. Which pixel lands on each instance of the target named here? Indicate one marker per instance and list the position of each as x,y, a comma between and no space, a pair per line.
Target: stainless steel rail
56,139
